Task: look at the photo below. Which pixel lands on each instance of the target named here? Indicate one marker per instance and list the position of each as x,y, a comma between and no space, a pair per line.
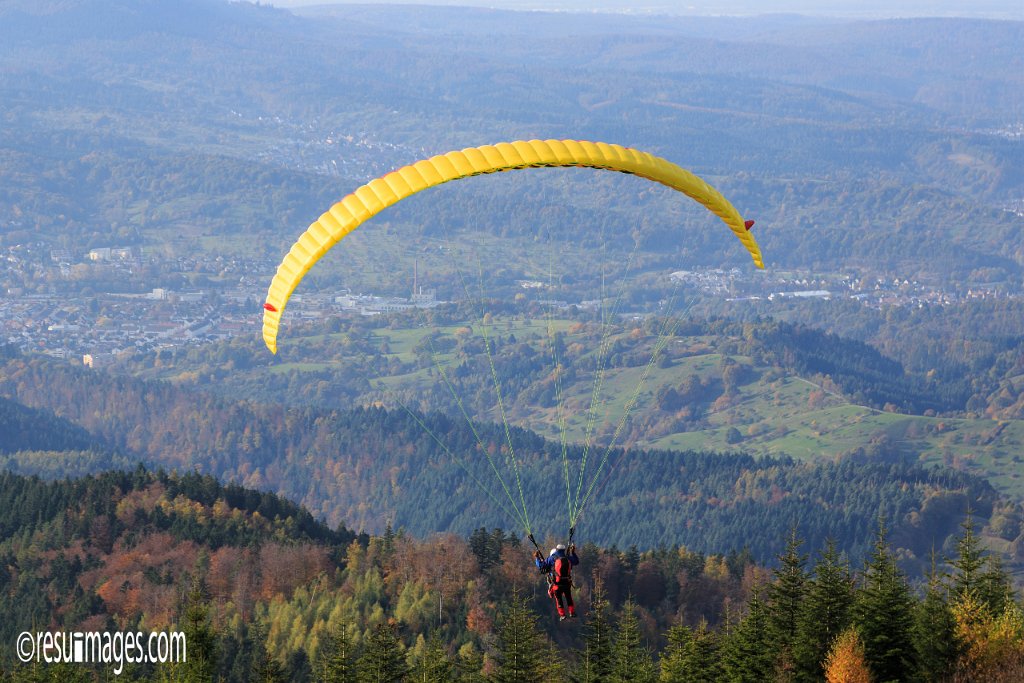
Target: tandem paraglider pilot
558,569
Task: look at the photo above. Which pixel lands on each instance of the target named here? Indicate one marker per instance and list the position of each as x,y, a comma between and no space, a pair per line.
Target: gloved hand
538,555
572,548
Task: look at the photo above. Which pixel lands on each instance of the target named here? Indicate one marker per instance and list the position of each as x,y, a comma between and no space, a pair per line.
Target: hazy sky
994,9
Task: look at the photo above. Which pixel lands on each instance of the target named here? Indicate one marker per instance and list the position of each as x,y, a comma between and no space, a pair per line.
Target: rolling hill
428,472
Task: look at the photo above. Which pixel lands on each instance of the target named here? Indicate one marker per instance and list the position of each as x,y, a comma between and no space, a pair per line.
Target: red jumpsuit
559,571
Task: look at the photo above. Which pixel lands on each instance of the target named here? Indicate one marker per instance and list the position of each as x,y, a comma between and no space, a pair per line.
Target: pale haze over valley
981,9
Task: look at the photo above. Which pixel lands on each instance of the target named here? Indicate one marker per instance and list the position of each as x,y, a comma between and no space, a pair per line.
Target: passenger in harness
558,569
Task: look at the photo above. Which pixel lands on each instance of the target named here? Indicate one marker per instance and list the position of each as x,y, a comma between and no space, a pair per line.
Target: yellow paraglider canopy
377,195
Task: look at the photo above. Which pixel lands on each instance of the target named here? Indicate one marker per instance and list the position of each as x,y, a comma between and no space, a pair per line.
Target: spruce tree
631,658
980,577
238,650
691,656
786,597
336,661
883,614
520,654
387,544
969,561
995,589
673,658
433,665
824,615
201,663
265,667
383,658
595,664
469,665
934,634
201,640
554,666
297,667
38,671
480,544
704,660
748,653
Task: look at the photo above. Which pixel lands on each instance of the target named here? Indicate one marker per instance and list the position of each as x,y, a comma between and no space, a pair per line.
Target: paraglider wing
377,195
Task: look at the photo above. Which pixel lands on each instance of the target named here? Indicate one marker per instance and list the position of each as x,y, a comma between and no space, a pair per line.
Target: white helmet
553,551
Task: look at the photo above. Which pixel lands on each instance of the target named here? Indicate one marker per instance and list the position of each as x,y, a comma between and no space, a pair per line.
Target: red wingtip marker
270,307
748,224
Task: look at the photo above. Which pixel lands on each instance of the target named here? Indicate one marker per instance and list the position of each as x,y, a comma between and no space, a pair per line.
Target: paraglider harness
559,574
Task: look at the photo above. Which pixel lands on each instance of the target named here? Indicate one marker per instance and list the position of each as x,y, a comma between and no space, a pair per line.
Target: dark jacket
548,565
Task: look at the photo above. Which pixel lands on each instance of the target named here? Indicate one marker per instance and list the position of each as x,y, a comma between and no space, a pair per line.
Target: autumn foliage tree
846,662
993,643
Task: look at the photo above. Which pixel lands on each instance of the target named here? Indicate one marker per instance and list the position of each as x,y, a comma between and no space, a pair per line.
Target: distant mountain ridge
54,21
806,123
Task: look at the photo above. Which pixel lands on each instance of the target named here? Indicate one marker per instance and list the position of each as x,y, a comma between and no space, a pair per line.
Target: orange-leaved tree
846,662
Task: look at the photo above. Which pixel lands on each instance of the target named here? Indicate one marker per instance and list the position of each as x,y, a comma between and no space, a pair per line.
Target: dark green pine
200,636
336,662
883,612
383,658
995,588
673,658
748,653
595,664
265,667
520,655
970,560
469,667
934,634
981,577
691,656
631,657
433,665
826,612
786,596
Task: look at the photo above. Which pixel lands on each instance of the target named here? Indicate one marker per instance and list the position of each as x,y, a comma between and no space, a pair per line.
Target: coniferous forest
264,592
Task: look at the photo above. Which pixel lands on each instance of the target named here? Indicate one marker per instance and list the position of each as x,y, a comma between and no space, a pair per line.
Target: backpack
562,571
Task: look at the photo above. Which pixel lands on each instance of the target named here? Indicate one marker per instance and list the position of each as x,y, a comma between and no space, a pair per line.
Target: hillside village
93,305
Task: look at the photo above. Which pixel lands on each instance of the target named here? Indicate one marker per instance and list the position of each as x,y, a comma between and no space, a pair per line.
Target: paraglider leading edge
372,198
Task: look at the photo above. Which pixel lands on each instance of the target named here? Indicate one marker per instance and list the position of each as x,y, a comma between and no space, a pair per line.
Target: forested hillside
263,592
752,384
428,472
347,364
37,442
978,343
148,141
27,429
